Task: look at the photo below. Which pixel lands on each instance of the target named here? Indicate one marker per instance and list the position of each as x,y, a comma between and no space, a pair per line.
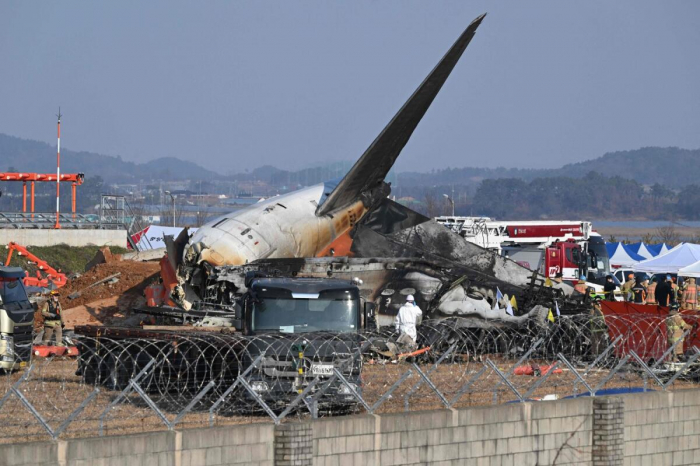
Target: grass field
69,259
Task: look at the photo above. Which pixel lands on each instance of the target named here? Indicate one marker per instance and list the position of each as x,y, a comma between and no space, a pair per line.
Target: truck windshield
12,291
602,257
297,315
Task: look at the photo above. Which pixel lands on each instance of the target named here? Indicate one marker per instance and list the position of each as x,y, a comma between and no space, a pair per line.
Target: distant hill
668,166
35,156
671,167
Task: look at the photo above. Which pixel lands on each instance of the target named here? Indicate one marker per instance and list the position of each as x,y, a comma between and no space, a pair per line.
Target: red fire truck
569,247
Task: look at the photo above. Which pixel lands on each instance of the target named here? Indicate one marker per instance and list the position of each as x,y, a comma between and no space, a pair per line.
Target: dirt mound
115,299
133,278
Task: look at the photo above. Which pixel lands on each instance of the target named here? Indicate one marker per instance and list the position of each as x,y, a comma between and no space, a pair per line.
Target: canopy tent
623,256
642,249
692,270
611,248
657,249
681,256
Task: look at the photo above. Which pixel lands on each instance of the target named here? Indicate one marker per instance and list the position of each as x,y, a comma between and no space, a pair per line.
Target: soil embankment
109,302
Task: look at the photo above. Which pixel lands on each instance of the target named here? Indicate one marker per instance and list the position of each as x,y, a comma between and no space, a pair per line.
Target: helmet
597,298
630,275
582,277
410,298
53,293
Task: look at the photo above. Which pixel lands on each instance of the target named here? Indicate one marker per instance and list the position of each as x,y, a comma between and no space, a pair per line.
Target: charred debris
394,252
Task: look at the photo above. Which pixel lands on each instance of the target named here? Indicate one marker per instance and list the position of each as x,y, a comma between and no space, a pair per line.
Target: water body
635,230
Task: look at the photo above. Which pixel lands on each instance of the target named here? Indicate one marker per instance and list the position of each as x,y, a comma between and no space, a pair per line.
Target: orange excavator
46,276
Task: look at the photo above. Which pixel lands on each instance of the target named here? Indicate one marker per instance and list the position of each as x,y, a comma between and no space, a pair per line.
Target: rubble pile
133,278
108,302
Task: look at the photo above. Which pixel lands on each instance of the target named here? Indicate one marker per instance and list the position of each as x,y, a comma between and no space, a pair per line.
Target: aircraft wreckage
350,229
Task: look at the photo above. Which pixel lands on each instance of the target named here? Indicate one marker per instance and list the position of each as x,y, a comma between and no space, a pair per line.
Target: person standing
609,288
53,323
627,288
675,289
689,296
639,290
581,286
664,292
599,329
675,328
406,321
559,278
651,292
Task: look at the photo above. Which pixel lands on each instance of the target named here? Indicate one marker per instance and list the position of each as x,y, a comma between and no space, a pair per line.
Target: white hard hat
410,298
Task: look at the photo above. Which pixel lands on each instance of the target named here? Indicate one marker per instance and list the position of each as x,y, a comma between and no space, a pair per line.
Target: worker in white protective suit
406,321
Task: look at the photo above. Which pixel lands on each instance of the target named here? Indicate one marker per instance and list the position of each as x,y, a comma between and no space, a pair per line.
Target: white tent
692,270
681,256
642,250
665,248
623,256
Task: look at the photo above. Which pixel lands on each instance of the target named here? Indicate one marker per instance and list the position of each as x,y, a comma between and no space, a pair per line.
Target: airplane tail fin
371,169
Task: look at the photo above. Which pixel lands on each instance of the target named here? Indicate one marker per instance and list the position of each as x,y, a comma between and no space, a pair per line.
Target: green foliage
68,259
593,196
689,202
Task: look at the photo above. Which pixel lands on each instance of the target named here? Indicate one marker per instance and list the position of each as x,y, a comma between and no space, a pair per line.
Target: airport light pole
173,198
58,172
451,202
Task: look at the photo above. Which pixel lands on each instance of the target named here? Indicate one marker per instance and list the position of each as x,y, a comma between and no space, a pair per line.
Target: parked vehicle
16,320
297,329
568,247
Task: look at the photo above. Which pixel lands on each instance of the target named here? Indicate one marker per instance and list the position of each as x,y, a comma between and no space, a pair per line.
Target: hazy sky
235,85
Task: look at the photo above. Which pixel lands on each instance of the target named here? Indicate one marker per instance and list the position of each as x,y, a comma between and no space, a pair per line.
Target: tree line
591,196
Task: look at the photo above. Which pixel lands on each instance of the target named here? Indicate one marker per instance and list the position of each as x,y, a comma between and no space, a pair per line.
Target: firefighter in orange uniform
651,292
675,327
675,288
689,295
581,286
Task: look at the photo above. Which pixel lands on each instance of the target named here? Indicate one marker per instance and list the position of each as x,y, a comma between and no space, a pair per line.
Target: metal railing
45,220
126,385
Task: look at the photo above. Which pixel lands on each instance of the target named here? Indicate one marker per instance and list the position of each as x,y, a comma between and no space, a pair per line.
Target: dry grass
55,391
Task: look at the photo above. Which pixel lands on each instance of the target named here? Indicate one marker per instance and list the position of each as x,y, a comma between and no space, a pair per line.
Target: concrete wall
514,434
662,428
37,237
249,444
649,429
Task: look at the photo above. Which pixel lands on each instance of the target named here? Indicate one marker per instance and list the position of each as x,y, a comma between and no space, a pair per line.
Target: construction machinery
46,276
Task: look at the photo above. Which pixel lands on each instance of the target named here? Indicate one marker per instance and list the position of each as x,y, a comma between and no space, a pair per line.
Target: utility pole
173,198
451,202
58,172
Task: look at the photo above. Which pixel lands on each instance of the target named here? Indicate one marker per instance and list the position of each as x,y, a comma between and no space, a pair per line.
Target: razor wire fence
126,385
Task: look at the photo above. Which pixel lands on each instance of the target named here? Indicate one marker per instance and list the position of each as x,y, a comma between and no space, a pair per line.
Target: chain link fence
123,385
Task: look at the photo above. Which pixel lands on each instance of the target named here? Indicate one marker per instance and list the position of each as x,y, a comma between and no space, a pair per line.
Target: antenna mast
58,171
